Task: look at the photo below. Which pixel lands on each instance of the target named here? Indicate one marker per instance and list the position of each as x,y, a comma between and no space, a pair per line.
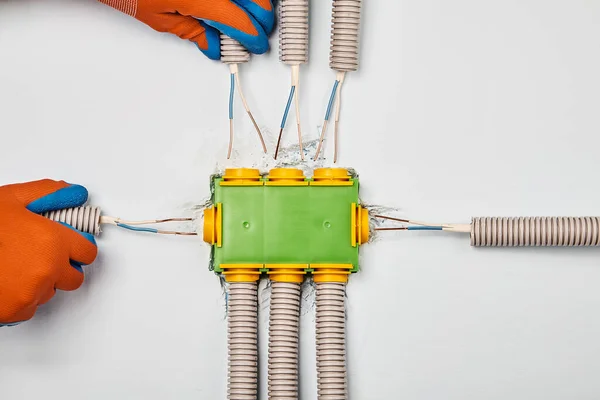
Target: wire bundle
233,53
343,57
293,51
88,219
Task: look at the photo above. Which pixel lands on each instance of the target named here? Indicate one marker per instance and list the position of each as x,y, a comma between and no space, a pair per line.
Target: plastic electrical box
284,218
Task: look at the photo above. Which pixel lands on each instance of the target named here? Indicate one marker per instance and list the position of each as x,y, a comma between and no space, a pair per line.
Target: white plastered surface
459,108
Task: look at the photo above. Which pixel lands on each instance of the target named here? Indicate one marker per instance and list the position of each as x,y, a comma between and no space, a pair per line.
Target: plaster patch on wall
375,209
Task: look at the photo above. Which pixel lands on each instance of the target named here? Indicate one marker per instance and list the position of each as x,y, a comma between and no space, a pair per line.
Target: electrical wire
516,231
234,70
114,221
233,53
294,94
343,56
89,219
422,226
338,101
135,225
293,51
154,230
296,81
231,93
412,228
284,119
332,98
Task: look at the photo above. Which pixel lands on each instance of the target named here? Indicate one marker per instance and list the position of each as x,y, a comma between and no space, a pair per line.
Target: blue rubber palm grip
68,197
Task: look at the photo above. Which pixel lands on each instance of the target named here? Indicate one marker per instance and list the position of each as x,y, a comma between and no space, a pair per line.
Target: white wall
476,107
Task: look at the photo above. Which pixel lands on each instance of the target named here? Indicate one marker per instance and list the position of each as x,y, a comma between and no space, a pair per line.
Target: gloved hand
38,256
200,21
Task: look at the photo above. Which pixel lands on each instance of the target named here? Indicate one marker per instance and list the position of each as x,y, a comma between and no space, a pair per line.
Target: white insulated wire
345,28
88,219
331,341
338,105
293,32
343,57
296,83
233,53
284,322
518,231
242,341
293,51
233,68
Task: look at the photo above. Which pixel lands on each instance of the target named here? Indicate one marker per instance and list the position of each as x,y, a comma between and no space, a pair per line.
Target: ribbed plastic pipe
242,341
85,219
293,31
331,341
535,231
345,30
232,52
284,323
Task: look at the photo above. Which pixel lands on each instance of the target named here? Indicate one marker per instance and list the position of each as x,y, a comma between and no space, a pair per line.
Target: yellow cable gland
290,273
360,225
331,177
241,272
213,225
242,177
286,177
329,273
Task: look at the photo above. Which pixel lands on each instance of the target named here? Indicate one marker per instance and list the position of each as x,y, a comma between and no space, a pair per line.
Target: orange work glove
37,255
200,21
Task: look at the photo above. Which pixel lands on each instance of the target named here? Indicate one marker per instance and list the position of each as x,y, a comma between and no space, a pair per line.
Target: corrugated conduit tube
331,341
343,58
284,331
331,283
345,28
293,35
232,52
535,231
85,219
242,341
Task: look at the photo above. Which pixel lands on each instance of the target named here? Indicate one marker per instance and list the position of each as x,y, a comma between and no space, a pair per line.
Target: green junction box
284,219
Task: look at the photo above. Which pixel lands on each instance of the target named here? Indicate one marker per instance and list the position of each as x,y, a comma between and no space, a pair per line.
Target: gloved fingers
184,26
261,10
19,303
213,42
82,251
24,314
48,195
232,20
70,276
82,245
205,37
47,295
